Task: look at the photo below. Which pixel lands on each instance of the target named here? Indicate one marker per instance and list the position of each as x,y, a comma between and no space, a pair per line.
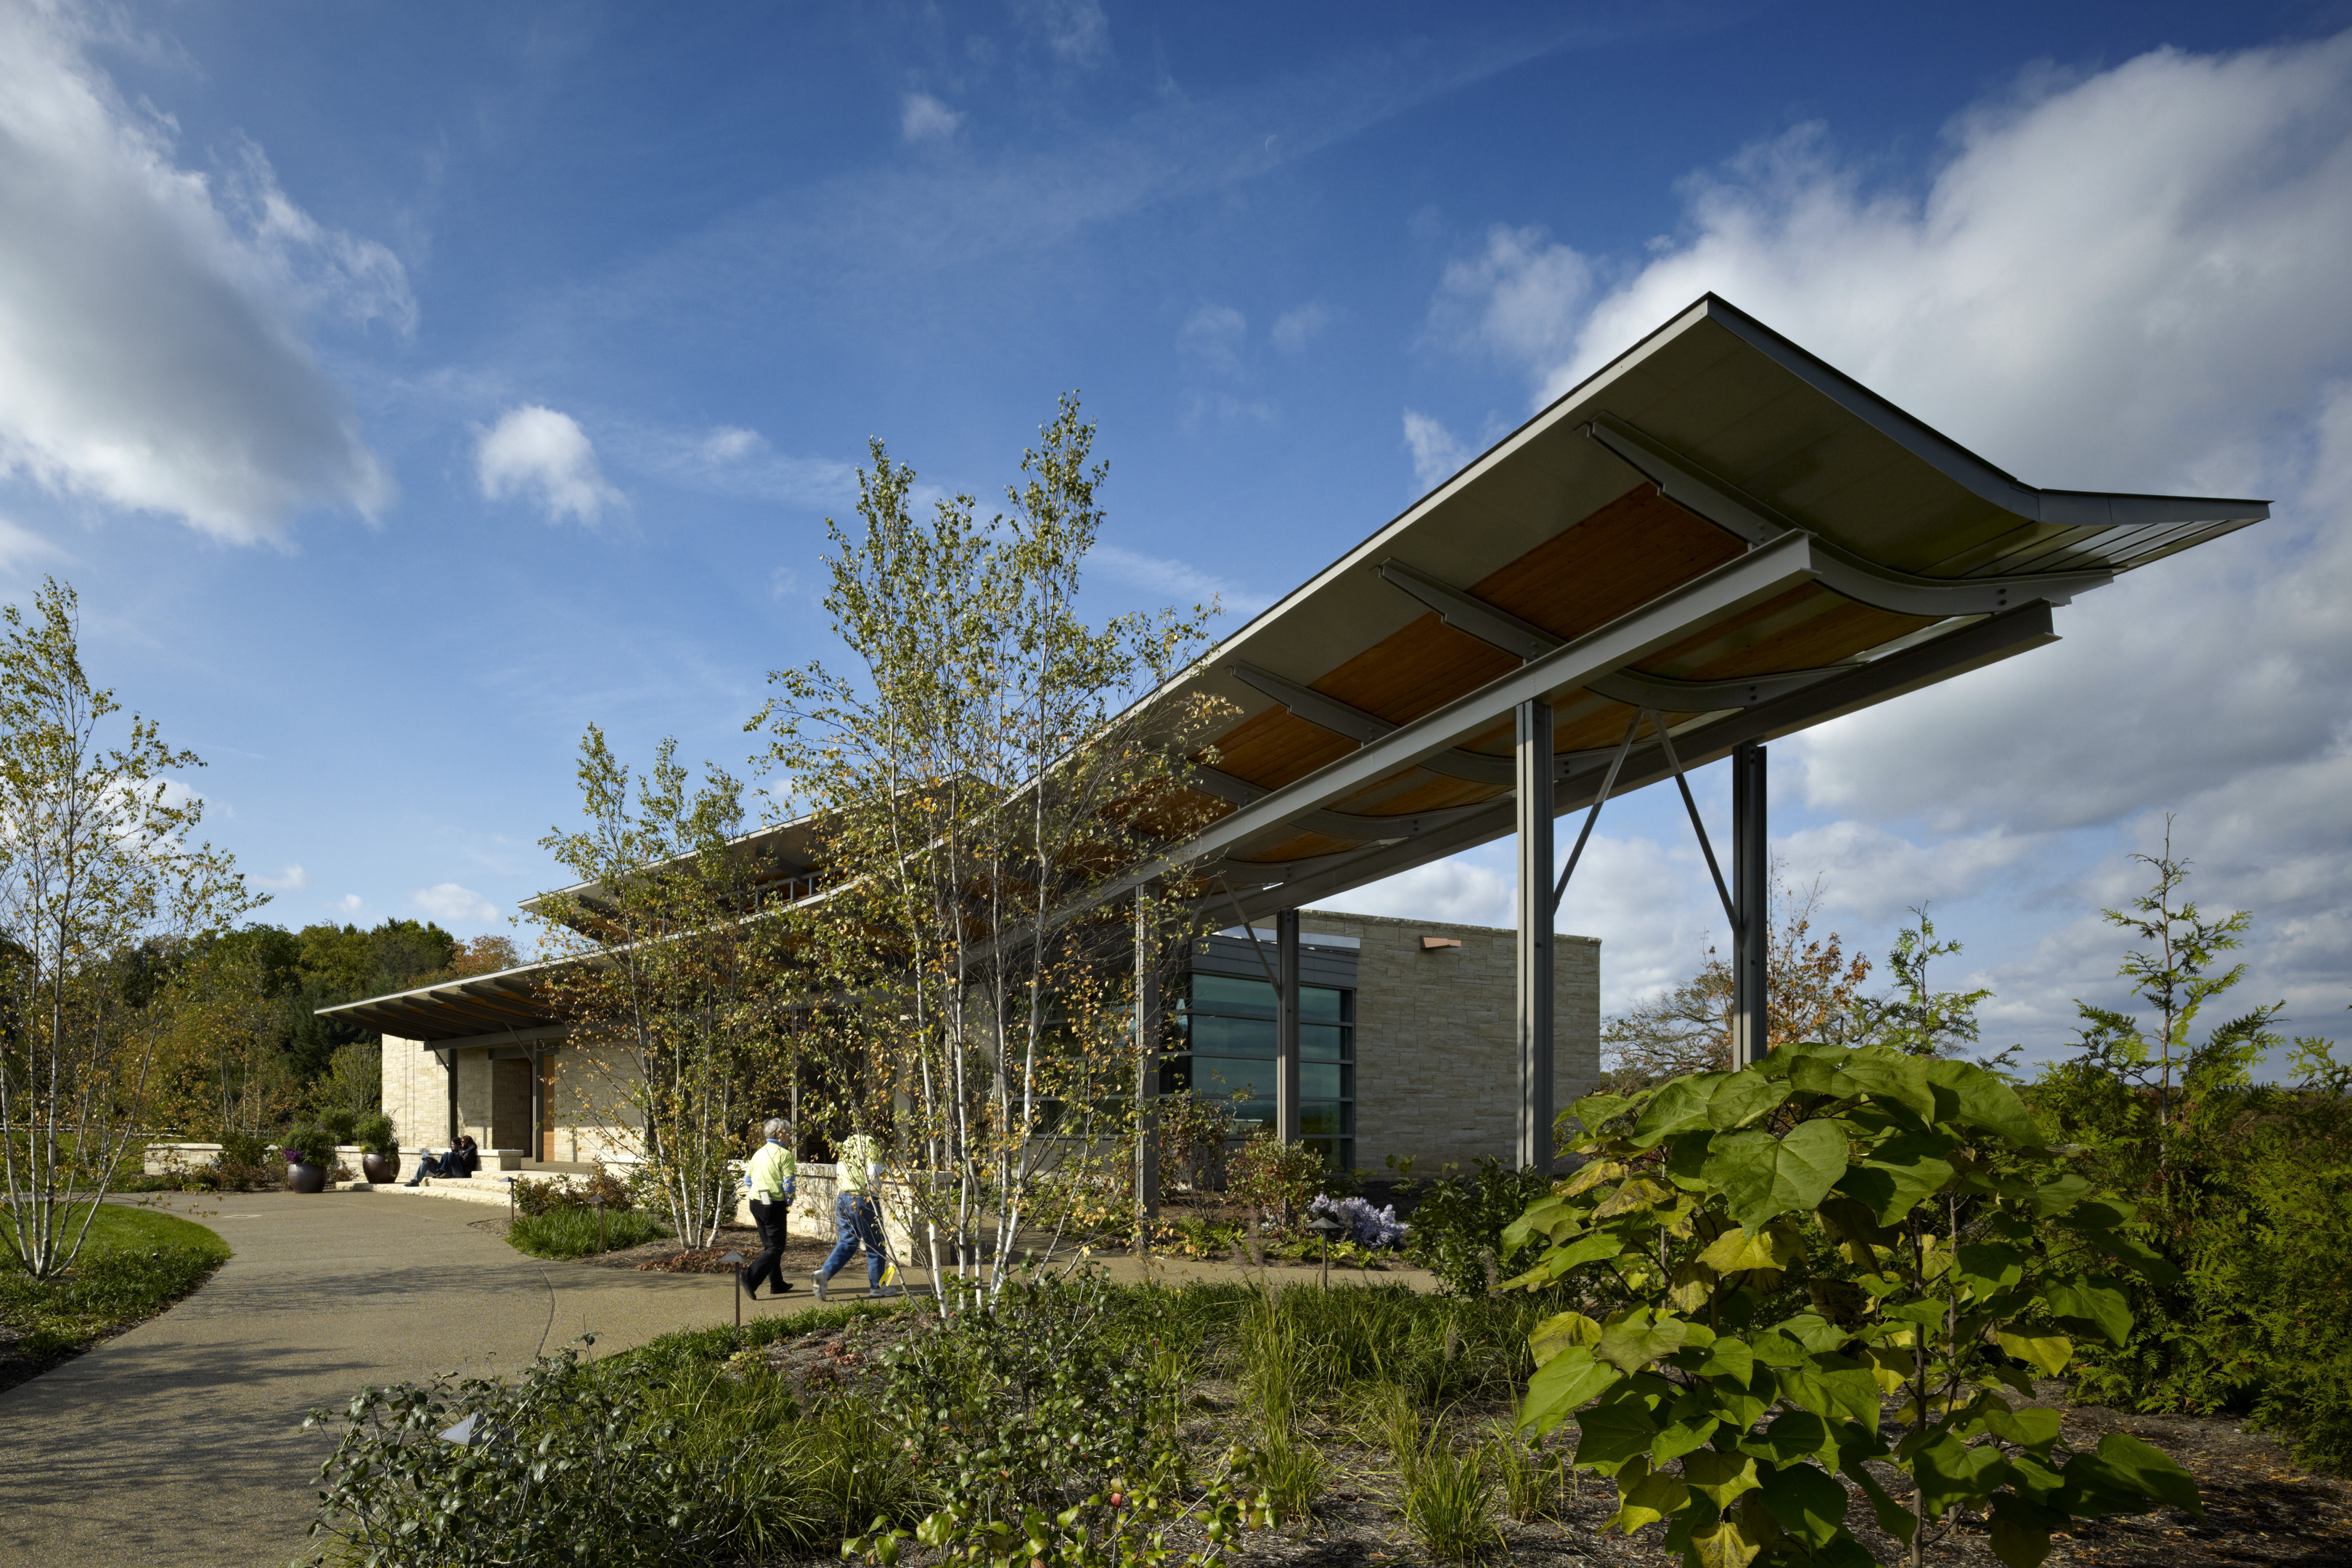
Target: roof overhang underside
1717,527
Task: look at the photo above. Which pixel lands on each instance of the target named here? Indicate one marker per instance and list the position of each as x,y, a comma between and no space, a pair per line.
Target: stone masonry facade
1436,1054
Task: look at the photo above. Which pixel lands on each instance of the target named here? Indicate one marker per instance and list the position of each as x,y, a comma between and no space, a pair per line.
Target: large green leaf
1717,1477
2035,1427
1981,1100
2021,1530
1634,1341
2151,1474
1742,1097
1820,1075
1794,1435
1563,1384
1893,1079
1679,1106
1830,1386
1949,1472
1805,1501
1990,1268
2092,1300
1608,1435
1761,1175
1893,1177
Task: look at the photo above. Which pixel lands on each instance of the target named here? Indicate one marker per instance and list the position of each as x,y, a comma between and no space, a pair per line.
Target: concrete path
181,1442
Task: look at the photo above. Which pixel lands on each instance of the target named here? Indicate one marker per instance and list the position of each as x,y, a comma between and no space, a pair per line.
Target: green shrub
1457,1222
373,1131
1967,1259
629,1462
313,1142
556,1195
1278,1179
582,1233
2248,1193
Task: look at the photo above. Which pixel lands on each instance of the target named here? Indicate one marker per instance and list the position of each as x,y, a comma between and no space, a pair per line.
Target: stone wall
415,1093
1436,1053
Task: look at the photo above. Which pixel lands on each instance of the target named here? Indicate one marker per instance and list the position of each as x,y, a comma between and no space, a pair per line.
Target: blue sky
406,387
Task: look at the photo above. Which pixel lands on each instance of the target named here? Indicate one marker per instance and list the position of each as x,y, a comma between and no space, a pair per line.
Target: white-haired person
857,1222
772,1175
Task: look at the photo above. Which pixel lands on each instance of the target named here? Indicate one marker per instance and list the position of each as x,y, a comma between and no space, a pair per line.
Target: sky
404,387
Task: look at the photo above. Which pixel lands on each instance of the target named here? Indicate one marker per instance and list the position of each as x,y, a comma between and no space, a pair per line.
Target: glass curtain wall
1224,1029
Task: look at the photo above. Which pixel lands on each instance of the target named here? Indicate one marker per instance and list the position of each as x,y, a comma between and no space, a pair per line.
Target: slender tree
977,772
99,878
676,973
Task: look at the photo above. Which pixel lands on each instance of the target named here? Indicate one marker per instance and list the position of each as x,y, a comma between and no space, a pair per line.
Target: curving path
181,1442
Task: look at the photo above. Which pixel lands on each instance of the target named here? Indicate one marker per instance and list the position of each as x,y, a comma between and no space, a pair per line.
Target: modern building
1407,1048
1714,541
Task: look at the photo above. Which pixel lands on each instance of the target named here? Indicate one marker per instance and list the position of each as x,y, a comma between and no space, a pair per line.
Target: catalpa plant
1780,1254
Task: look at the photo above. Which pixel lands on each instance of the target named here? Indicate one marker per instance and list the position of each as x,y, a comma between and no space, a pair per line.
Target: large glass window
1224,1029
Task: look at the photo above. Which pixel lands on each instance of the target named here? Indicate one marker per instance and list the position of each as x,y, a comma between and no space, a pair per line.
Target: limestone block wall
415,1093
591,1107
1436,1059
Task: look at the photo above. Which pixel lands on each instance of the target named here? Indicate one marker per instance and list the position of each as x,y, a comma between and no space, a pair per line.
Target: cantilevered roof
1718,527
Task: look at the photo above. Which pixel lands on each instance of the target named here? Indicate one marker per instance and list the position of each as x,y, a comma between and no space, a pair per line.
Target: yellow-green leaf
2049,1352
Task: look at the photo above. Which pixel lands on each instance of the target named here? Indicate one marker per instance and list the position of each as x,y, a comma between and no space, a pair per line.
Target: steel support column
1285,1026
1147,1055
1533,765
1752,870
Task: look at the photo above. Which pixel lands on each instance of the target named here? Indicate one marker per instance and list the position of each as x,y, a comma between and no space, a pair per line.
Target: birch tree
100,880
675,973
977,776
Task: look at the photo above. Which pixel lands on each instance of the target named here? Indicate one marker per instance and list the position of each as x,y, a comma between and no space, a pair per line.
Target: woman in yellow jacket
855,1220
771,1175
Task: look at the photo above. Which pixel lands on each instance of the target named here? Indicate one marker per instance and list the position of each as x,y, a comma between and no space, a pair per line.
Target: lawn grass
576,1233
136,1263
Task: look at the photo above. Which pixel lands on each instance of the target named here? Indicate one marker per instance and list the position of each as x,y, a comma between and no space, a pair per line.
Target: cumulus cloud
1173,580
1437,453
922,117
1292,329
152,354
2130,279
1077,31
449,904
350,907
1213,336
543,456
292,880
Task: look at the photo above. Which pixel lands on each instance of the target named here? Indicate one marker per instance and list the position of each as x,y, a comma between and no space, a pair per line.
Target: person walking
857,1221
774,1177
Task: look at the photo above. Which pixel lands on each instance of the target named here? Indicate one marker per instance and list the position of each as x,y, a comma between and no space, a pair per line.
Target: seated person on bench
463,1159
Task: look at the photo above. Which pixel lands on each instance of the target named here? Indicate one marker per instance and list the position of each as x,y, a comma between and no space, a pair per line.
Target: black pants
768,1268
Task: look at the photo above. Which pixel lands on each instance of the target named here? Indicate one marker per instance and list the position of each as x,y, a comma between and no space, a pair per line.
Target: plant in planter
379,1142
309,1152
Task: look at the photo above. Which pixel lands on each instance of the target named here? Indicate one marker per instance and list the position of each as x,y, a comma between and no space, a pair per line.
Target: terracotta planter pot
379,1168
307,1178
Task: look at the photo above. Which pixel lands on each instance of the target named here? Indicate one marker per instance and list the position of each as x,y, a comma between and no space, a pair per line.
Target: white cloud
922,117
2131,280
1213,336
540,453
350,907
19,544
151,351
730,460
1077,31
1176,580
450,904
1437,454
1292,329
292,880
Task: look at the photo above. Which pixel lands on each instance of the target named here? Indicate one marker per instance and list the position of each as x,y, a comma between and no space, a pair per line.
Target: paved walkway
181,1442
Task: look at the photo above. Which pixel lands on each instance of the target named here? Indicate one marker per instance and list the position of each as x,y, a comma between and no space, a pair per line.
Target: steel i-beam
1147,1055
1750,875
1285,1026
1533,760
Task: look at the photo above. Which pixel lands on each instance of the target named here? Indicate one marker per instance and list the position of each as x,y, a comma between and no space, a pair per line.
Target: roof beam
1723,591
1727,506
1346,718
1525,641
1971,646
1338,823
